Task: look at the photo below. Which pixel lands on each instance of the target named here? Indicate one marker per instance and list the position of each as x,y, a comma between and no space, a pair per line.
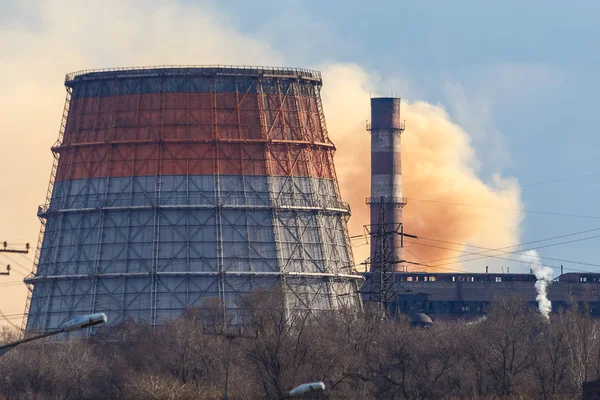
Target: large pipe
386,177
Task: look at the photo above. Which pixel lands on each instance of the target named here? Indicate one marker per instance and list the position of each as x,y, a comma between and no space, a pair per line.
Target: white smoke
543,277
479,320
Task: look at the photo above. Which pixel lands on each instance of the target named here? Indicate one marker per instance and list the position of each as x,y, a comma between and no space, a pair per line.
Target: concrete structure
386,200
466,295
386,176
174,185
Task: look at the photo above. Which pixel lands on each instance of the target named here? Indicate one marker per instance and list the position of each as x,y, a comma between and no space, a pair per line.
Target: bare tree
503,346
514,353
551,358
583,338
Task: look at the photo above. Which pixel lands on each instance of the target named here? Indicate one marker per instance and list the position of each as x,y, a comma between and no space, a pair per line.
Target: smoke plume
446,198
543,276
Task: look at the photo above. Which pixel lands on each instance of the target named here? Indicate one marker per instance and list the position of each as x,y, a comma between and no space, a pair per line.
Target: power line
15,315
441,266
460,271
8,320
414,255
18,265
507,209
506,247
21,274
568,178
542,247
487,250
421,262
438,266
5,284
473,259
521,253
28,258
499,257
533,184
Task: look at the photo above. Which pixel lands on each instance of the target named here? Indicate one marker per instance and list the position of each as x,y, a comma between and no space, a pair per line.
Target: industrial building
173,186
390,282
467,295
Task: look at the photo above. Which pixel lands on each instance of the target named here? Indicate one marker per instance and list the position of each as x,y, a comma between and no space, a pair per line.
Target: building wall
463,295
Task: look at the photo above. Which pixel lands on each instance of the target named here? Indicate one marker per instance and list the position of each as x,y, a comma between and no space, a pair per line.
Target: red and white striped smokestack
386,177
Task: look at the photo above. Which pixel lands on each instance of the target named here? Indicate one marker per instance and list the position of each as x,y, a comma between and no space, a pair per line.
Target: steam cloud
543,276
439,167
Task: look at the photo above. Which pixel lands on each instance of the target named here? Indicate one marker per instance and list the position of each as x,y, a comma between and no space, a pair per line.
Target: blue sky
520,77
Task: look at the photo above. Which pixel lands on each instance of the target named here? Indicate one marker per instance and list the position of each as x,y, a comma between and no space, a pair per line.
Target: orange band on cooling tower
180,158
194,116
194,133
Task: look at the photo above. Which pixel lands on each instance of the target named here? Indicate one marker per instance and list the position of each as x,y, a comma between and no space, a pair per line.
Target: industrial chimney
386,200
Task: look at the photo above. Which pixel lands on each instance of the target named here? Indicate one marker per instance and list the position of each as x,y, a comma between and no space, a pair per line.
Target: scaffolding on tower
175,185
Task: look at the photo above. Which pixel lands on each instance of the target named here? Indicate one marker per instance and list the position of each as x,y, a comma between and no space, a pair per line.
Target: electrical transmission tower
383,261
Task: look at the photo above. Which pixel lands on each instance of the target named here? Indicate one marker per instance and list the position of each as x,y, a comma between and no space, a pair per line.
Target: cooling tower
173,186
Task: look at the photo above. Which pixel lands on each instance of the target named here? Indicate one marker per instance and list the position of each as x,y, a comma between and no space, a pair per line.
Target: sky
509,88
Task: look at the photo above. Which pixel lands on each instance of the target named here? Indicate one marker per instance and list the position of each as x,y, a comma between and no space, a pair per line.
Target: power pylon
383,262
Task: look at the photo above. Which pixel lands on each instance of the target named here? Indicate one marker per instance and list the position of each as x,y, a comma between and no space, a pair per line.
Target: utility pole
6,249
230,336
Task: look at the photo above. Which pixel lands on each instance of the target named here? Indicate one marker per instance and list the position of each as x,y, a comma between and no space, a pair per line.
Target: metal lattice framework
174,185
381,287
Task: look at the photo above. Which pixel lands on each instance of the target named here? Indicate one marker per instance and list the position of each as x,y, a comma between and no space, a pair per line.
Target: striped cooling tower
177,186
